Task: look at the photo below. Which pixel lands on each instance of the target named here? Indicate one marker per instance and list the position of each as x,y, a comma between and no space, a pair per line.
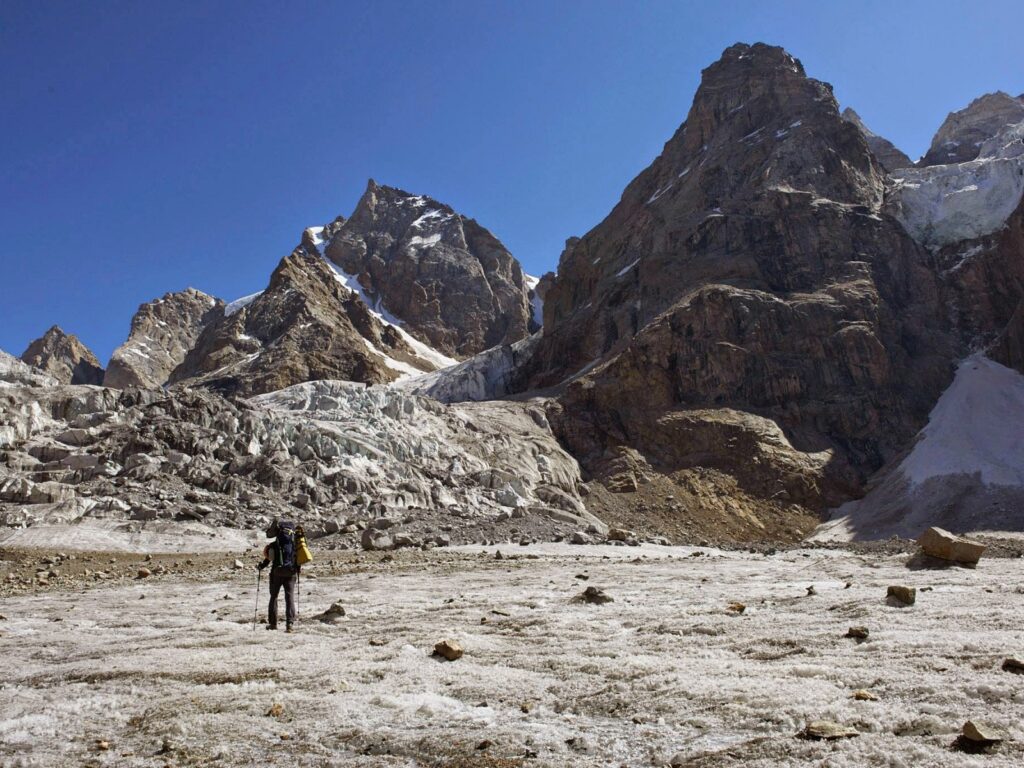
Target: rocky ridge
64,357
162,333
887,153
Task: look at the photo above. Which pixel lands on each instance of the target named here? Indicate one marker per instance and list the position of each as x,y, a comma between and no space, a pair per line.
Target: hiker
285,555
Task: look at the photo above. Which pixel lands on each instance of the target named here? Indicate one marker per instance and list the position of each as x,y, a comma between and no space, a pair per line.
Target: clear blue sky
150,146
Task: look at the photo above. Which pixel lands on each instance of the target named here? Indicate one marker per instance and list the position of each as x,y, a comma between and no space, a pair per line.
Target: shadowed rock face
64,357
749,270
162,333
450,281
305,326
888,155
963,133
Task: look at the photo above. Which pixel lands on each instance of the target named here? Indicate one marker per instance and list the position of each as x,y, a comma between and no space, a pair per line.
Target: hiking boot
271,626
288,628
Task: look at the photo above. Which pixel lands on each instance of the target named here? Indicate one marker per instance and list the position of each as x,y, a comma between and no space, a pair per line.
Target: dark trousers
282,577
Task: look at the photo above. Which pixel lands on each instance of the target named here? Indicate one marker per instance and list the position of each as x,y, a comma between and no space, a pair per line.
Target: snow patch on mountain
239,304
966,470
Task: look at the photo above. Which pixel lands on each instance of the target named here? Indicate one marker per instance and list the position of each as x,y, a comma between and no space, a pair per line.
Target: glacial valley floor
168,671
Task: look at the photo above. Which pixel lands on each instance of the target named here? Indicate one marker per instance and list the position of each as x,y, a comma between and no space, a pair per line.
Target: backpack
284,548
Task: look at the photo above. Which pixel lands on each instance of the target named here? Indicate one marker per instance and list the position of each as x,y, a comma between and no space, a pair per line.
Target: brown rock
448,650
903,595
594,596
858,633
936,542
862,694
981,733
1013,665
276,710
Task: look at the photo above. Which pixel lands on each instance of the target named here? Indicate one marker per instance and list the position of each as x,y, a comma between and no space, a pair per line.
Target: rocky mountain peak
444,277
64,357
888,155
162,333
962,134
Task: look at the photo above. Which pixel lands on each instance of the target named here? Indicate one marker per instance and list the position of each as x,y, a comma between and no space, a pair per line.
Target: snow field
666,668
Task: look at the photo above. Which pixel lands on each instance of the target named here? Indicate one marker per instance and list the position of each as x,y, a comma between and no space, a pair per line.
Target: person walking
282,555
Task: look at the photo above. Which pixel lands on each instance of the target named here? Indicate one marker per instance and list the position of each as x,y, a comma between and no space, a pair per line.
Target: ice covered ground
172,673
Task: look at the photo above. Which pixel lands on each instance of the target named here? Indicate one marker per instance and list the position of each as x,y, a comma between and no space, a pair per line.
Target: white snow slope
966,470
943,204
181,678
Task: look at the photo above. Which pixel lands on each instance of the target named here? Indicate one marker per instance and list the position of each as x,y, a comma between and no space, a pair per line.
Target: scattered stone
736,608
976,730
899,594
1009,665
238,565
449,650
143,573
102,745
594,596
858,633
333,614
498,555
377,642
941,544
277,710
582,577
578,537
679,759
485,744
826,730
863,694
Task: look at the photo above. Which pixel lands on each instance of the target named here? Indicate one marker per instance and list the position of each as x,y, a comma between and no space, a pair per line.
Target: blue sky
148,146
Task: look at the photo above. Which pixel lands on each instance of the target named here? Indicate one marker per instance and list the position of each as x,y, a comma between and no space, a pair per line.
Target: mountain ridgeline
755,334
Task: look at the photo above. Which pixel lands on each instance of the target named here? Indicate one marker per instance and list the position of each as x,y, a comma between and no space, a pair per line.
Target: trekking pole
256,610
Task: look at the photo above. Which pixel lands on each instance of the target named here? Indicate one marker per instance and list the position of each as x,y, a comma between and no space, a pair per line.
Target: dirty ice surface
172,673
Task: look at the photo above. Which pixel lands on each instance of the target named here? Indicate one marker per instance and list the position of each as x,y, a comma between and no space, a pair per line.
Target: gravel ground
168,671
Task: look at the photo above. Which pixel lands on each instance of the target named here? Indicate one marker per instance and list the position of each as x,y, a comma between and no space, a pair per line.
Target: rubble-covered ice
162,671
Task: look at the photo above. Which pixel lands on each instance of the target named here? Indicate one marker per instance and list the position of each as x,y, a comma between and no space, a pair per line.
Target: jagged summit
162,333
450,282
963,133
64,357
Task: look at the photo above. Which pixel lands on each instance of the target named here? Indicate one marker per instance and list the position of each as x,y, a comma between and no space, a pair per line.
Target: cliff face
64,357
450,281
750,273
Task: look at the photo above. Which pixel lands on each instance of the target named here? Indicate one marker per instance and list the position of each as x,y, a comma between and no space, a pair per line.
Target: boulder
373,539
941,544
858,633
449,650
901,595
981,733
1013,665
333,615
594,596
